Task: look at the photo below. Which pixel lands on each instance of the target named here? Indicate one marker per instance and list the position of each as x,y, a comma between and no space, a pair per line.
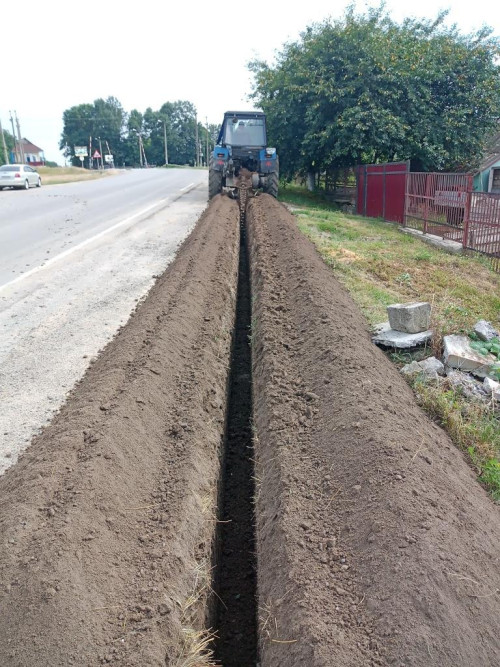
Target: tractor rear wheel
214,181
273,181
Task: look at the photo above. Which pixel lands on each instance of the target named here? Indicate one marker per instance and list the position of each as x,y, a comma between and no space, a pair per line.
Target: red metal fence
381,189
438,203
482,229
434,203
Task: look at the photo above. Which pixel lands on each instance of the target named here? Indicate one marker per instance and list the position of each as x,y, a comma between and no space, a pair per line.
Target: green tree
86,123
10,143
366,89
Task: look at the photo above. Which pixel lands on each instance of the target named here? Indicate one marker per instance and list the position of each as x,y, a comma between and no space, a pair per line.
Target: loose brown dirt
376,546
107,521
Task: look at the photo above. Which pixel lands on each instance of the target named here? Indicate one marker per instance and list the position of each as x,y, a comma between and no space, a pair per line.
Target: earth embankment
375,544
107,521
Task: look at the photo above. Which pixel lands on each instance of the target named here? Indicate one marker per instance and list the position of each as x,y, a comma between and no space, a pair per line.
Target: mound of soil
375,543
107,521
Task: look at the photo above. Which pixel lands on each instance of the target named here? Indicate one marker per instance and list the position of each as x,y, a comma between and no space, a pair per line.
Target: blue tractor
242,145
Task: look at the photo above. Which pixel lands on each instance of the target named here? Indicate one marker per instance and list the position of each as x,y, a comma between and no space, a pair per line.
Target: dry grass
195,649
57,175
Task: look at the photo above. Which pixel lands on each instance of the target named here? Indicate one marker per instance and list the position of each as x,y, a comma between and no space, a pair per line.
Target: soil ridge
375,543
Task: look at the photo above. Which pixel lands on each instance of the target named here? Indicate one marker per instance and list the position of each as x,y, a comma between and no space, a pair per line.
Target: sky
62,54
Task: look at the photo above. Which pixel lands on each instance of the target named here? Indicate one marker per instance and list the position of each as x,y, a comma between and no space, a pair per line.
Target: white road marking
81,245
186,187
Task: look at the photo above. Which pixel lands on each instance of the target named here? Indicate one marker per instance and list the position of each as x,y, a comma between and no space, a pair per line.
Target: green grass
379,265
473,427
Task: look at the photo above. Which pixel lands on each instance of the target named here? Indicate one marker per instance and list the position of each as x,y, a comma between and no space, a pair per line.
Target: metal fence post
468,201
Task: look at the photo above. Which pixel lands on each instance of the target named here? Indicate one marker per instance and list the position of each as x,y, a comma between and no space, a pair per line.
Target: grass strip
379,266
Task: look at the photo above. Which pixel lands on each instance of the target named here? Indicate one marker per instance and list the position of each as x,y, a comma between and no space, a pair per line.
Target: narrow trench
236,577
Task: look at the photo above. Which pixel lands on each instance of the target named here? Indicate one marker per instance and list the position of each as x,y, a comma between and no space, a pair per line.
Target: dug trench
345,529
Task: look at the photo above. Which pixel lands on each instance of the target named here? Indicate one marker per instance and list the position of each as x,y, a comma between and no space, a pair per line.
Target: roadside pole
165,141
206,122
197,157
16,146
21,147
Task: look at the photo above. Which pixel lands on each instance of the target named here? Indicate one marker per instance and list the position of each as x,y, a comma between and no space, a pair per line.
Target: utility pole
196,140
7,158
16,147
165,140
109,153
100,151
21,147
206,122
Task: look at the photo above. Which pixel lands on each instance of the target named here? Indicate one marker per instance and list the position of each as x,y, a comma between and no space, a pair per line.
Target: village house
33,155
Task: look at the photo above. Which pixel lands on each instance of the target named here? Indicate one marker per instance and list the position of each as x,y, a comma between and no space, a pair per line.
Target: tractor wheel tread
214,181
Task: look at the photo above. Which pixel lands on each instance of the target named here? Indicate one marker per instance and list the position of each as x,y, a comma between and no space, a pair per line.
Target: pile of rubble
464,367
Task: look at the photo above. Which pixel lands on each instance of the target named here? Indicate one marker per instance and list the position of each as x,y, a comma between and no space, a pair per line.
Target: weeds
473,427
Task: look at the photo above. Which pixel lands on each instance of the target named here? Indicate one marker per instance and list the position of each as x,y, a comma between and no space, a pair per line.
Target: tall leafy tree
366,89
86,123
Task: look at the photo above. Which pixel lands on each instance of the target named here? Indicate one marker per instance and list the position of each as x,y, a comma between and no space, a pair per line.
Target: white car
20,176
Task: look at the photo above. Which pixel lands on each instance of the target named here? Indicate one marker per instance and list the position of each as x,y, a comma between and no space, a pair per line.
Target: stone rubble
492,388
430,368
459,354
485,330
470,387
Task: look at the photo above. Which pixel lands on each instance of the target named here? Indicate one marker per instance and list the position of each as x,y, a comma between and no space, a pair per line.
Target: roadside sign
108,158
81,151
96,155
81,158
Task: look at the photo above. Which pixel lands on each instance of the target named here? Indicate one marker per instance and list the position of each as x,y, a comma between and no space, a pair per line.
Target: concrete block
459,354
485,330
410,317
492,387
387,337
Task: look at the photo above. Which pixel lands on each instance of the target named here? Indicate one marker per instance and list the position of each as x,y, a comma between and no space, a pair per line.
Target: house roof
491,153
29,147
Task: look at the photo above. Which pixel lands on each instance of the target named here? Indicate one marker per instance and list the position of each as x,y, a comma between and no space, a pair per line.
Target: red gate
380,190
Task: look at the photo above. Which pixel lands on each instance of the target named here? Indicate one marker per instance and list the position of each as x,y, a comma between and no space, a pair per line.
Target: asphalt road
39,224
74,261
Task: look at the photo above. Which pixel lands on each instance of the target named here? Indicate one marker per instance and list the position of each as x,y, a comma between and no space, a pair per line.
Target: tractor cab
242,144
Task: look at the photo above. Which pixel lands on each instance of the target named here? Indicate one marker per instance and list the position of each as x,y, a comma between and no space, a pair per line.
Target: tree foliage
9,143
366,89
124,132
